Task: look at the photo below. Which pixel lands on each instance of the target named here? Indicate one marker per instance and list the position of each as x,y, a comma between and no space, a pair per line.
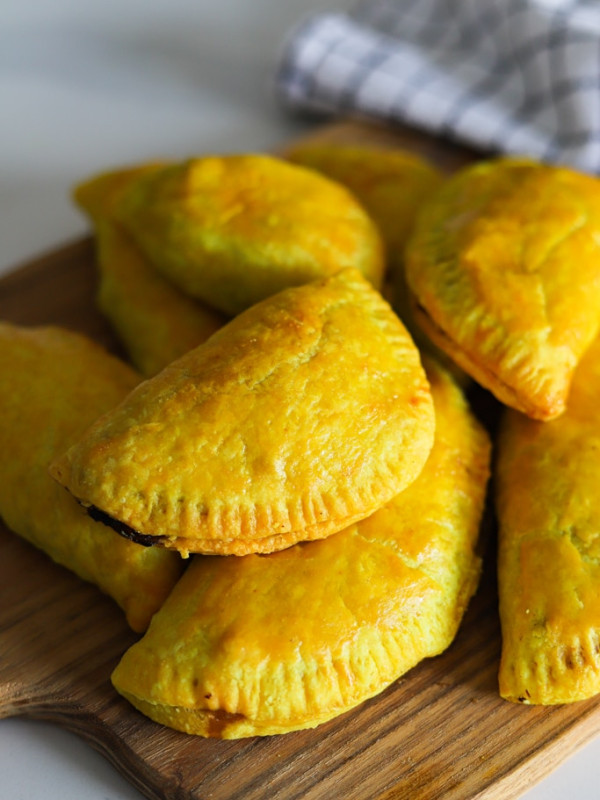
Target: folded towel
512,76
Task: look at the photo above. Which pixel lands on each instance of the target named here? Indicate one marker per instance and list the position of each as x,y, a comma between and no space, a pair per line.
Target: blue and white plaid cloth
513,76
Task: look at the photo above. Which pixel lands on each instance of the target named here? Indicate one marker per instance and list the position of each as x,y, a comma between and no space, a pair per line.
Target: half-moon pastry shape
53,384
504,267
232,230
155,321
263,645
548,507
303,414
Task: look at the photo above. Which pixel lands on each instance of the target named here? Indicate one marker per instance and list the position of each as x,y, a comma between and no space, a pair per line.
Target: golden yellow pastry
232,230
97,196
504,267
306,412
391,184
548,507
265,645
53,384
154,320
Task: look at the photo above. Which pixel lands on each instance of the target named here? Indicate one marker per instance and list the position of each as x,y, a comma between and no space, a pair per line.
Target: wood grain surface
441,731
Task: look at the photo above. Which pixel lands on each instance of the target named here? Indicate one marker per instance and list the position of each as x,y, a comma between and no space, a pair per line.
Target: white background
88,84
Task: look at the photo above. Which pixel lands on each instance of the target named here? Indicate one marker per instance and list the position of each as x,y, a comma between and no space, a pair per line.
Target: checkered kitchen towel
515,76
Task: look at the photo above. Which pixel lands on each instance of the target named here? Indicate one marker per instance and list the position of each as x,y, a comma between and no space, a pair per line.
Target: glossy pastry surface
268,644
232,230
303,414
505,272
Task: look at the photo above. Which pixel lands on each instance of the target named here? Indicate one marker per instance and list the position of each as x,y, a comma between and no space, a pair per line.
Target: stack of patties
328,488
327,480
504,269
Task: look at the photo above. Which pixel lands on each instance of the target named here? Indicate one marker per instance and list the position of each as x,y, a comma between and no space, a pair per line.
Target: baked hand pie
548,508
232,230
504,267
303,414
269,644
154,320
53,384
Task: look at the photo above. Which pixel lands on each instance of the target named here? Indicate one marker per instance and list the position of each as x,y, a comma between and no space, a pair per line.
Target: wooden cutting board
440,731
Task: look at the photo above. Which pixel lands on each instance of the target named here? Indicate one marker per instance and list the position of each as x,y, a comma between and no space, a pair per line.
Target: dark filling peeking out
121,528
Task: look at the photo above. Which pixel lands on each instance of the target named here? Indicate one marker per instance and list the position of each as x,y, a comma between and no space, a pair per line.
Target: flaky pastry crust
549,548
504,267
266,645
232,230
303,414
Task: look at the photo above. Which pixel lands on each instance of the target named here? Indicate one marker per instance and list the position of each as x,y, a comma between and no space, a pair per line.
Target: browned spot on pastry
219,720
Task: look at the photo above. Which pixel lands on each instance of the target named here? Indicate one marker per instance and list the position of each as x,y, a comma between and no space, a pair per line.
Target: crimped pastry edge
318,510
565,674
507,394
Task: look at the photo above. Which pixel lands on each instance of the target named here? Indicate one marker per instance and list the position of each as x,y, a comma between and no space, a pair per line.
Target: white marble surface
85,85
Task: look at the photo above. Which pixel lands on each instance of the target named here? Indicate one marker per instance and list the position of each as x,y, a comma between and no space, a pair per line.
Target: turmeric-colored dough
154,320
232,230
504,267
265,645
391,184
303,414
53,384
98,196
548,507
